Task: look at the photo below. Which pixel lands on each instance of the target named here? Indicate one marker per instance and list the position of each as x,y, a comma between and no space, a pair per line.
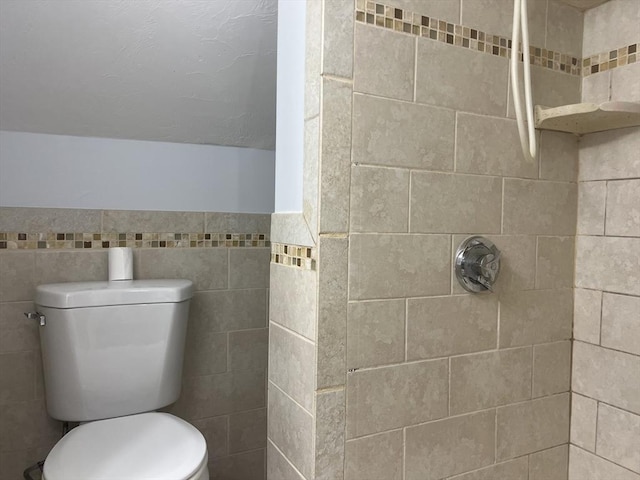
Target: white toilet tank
112,348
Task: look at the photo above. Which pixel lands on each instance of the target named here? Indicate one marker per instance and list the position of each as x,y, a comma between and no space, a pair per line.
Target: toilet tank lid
122,292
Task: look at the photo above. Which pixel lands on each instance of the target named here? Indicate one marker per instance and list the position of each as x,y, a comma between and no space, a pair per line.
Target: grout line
415,70
602,458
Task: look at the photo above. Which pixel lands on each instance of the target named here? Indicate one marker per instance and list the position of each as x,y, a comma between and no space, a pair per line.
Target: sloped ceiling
170,70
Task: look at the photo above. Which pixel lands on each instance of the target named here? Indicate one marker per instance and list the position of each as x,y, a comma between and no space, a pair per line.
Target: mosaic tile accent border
400,20
294,256
32,241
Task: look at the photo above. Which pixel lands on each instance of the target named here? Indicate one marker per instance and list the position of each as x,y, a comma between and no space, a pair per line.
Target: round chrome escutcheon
477,264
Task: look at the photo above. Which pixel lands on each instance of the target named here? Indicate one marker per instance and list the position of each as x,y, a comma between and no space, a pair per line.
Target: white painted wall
39,170
290,106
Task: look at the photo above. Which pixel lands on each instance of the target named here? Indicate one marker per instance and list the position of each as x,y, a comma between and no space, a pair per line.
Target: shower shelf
583,118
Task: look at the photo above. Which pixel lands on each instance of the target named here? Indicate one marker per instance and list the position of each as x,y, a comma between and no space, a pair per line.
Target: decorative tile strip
294,256
608,60
400,20
28,241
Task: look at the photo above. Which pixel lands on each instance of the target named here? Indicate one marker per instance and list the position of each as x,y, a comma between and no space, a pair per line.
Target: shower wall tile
548,319
330,433
290,427
551,206
610,25
624,83
447,11
552,464
249,267
278,466
18,219
491,146
623,208
442,326
587,306
555,262
310,179
248,430
596,88
620,325
391,266
436,447
293,308
584,417
379,199
17,281
448,203
378,51
485,380
606,375
337,53
551,368
532,426
564,28
558,156
401,134
586,465
460,79
610,155
153,221
592,198
375,333
389,397
292,365
376,456
618,437
511,470
608,263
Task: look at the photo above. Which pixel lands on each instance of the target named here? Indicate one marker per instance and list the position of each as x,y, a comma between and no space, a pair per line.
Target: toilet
112,354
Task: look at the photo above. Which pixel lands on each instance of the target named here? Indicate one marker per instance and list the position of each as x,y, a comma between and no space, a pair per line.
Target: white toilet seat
148,446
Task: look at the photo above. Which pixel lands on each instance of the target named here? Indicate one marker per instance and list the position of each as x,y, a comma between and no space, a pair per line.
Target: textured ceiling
170,70
584,4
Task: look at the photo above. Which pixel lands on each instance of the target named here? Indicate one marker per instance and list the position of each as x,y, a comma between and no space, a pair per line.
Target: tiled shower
380,366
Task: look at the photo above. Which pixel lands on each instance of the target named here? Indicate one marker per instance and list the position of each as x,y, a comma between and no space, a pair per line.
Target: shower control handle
477,264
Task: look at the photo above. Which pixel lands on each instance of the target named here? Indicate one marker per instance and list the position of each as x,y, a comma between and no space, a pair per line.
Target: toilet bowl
112,354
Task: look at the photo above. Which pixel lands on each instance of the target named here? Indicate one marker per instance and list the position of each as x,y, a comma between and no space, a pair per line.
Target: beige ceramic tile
596,88
400,134
290,428
623,208
591,208
491,146
42,220
461,79
335,154
18,333
551,368
215,432
442,326
332,311
549,88
74,266
539,207
379,199
292,365
436,447
496,17
248,349
18,279
485,380
587,305
583,465
558,156
620,325
278,466
447,11
207,268
564,28
383,62
584,413
290,228
606,375
392,397
243,466
610,26
610,155
223,311
249,267
205,353
608,263
391,266
511,470
17,377
330,432
26,425
555,262
618,437
377,456
532,426
452,203
375,333
624,83
337,40
552,464
293,299
216,222
120,221
247,430
535,316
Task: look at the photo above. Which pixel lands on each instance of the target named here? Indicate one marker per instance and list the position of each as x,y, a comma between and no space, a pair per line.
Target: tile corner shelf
583,118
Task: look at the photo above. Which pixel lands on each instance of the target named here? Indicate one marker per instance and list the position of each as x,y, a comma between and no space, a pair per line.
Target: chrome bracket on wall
477,264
